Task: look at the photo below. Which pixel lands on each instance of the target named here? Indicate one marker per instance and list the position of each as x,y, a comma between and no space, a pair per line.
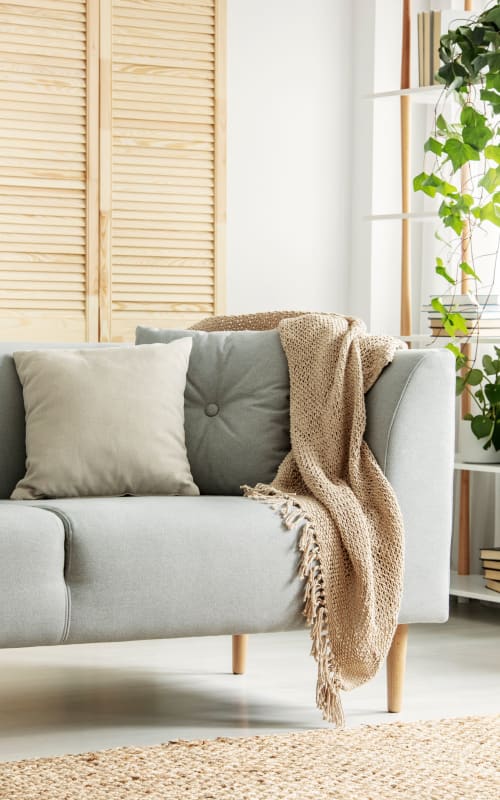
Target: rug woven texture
457,759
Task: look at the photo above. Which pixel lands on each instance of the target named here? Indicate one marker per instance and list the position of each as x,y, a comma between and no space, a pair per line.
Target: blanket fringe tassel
328,685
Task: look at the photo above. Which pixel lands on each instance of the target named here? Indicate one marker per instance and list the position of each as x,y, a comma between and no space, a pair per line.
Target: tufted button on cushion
211,410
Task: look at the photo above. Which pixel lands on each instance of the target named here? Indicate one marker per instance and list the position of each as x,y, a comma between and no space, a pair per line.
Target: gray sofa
125,568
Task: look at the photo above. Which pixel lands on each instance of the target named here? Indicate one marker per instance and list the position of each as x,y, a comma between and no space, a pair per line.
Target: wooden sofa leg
396,662
240,645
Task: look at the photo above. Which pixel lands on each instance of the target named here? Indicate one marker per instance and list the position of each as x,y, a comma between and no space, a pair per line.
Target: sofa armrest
410,429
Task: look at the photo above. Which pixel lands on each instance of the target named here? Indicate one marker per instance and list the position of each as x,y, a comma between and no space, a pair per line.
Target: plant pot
470,449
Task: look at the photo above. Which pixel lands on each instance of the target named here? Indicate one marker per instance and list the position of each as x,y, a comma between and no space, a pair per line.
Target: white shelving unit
428,95
473,586
413,216
383,220
425,340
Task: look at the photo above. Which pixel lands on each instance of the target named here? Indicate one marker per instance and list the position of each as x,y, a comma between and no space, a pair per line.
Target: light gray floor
88,697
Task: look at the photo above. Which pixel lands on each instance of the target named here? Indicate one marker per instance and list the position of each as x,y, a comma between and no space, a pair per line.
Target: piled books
431,25
481,313
491,567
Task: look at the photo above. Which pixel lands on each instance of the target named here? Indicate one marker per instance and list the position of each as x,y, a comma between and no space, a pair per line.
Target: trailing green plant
465,175
484,385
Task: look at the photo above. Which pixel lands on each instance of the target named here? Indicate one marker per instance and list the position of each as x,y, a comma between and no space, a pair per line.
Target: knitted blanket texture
329,484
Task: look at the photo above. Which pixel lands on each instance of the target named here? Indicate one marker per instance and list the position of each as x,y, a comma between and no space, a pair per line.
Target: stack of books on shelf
491,567
481,313
431,25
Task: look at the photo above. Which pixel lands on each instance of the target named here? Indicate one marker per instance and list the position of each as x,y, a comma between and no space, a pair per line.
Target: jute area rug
457,759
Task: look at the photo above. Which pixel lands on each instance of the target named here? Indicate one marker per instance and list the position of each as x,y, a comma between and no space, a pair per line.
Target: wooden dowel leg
240,646
396,662
463,566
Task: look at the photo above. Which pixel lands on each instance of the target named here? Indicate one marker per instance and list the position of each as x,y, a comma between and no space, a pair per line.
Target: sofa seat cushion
158,567
33,597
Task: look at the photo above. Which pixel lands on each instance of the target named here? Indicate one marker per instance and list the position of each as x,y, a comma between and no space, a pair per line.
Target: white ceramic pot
470,449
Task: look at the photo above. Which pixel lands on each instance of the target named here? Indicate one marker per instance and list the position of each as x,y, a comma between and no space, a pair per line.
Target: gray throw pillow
236,406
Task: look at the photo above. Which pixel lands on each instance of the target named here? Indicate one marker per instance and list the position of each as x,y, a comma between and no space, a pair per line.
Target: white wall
289,136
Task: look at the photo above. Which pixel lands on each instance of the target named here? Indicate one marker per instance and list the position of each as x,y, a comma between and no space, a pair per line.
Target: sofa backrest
236,402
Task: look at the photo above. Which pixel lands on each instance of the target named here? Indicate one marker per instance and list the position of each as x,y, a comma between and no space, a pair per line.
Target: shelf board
419,94
473,467
472,586
414,216
424,338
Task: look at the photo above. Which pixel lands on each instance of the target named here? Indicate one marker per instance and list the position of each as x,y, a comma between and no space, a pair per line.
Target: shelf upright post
463,565
405,173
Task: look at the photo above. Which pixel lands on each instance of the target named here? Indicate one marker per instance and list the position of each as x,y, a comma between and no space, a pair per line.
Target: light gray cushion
33,599
236,406
154,567
105,422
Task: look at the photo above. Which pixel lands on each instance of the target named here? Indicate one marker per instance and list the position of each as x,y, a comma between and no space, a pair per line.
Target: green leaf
492,392
459,322
437,305
491,15
495,439
451,215
492,98
454,349
467,417
491,179
474,377
449,73
480,395
440,270
432,184
433,146
467,269
481,426
492,151
492,60
490,212
460,358
459,153
475,132
449,327
493,78
420,185
465,202
488,365
441,123
470,116
459,386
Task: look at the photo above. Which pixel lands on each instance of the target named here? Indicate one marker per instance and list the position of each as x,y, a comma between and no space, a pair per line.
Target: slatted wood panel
48,290
159,200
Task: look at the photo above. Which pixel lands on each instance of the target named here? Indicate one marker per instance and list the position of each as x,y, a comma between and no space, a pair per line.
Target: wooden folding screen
112,166
44,276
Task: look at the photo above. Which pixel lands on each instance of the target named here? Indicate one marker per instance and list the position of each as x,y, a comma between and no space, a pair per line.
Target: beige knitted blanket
352,531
